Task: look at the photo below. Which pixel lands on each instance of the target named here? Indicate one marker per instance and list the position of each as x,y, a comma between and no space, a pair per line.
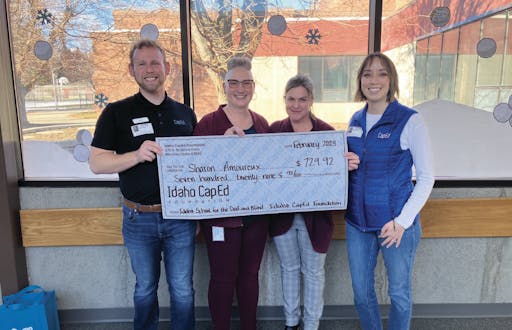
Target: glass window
334,77
454,59
448,64
490,68
486,98
434,66
420,75
325,40
313,66
70,60
467,63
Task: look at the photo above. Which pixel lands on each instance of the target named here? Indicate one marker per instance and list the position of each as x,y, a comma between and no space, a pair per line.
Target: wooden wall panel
59,227
440,218
487,217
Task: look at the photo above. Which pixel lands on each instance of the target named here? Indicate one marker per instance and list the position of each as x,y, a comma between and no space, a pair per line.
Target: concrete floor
417,324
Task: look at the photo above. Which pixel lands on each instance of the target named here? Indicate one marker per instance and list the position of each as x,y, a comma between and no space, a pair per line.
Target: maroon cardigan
320,224
216,123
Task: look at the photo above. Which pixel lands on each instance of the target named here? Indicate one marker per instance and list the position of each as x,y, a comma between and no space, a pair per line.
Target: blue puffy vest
382,184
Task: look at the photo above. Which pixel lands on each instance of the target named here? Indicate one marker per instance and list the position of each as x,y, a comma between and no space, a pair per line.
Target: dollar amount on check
227,176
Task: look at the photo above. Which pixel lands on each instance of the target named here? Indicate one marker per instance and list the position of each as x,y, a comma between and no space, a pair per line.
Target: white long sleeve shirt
414,137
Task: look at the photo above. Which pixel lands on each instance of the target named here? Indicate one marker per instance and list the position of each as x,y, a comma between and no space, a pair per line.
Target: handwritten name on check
204,177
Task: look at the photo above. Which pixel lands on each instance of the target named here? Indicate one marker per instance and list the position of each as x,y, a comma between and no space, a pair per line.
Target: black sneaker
295,327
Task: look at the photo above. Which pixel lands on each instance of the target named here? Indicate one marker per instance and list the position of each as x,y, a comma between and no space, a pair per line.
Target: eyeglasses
246,84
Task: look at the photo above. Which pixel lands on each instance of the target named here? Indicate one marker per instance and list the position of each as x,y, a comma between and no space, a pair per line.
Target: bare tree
33,21
220,29
223,29
25,31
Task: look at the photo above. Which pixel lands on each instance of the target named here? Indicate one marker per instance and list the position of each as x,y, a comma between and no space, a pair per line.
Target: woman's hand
392,233
353,160
234,130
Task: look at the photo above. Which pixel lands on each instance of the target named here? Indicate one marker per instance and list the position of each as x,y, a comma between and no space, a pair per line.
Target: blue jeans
146,235
363,248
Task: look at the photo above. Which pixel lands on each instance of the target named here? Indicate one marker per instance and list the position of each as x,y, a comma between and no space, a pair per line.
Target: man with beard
124,143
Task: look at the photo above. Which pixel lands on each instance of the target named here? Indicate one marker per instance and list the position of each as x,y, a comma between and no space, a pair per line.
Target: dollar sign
298,163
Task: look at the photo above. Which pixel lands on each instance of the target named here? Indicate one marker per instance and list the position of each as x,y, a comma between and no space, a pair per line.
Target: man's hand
147,151
103,161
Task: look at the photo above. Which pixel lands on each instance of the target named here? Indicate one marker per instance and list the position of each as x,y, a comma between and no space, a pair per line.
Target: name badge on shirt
140,120
218,234
355,131
142,129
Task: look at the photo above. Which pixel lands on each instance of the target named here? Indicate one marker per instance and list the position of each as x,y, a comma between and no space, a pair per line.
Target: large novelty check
205,177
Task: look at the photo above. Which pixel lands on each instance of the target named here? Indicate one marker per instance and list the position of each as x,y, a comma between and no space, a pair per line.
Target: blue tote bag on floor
30,309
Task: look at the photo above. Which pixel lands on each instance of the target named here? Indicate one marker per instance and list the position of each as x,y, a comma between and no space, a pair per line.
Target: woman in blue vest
383,204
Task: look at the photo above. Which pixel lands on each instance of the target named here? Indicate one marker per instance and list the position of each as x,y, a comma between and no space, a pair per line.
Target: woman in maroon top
302,239
235,245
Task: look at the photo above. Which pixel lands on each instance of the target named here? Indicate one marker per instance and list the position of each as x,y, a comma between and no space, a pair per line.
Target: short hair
390,69
145,43
300,80
239,62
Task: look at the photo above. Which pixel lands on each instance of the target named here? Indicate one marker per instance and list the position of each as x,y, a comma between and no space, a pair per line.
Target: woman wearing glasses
302,239
234,245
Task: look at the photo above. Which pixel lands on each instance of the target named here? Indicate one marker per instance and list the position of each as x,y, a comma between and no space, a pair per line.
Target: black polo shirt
124,125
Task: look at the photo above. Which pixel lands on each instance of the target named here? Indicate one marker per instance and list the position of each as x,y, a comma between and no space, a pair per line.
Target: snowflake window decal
44,16
313,36
101,100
